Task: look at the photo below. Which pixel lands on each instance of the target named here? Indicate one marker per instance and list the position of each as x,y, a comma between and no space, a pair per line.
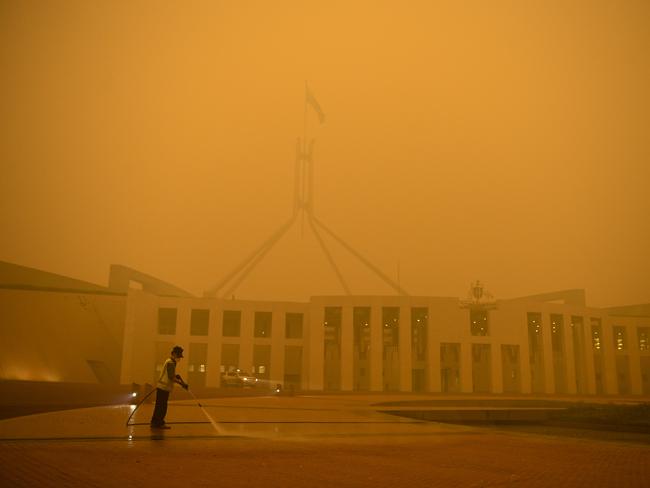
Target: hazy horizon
506,142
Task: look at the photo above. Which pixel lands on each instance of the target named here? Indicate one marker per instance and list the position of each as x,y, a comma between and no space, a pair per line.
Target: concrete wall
61,336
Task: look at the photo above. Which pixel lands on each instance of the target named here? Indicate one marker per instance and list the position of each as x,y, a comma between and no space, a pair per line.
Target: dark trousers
160,410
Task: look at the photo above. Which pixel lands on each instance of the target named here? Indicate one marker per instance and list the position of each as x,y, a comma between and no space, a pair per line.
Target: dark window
332,323
390,325
620,339
535,348
596,334
199,322
478,322
231,323
536,352
262,324
229,357
361,326
197,364
292,366
167,321
262,361
557,333
293,326
481,368
557,345
419,323
644,338
450,367
578,334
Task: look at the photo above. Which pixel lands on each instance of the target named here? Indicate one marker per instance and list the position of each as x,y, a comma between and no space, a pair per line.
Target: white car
238,378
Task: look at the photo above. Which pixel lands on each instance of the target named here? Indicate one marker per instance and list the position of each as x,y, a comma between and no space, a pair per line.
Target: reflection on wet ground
271,416
303,442
301,417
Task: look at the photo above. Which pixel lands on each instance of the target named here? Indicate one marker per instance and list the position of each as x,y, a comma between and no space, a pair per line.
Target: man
165,386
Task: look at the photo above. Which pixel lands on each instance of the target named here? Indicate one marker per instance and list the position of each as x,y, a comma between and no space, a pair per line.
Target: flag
311,100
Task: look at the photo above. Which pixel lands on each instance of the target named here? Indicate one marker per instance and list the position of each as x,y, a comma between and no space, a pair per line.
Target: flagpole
303,166
304,132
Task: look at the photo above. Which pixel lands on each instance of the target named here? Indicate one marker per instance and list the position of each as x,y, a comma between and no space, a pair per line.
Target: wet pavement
300,441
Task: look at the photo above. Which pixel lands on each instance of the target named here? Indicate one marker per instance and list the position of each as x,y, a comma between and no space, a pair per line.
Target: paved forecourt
300,441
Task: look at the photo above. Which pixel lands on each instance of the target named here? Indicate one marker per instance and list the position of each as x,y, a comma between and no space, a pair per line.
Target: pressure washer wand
186,387
180,381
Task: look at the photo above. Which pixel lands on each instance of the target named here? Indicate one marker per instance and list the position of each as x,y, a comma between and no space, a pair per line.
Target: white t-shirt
167,375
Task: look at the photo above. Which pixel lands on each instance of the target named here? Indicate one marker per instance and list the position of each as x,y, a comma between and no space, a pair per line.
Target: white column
433,350
376,349
183,313
636,385
433,366
215,328
182,335
276,375
405,349
589,356
246,339
347,344
609,359
496,368
524,358
315,340
569,356
547,344
466,379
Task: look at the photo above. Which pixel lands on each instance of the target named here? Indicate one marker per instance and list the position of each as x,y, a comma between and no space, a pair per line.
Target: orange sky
501,141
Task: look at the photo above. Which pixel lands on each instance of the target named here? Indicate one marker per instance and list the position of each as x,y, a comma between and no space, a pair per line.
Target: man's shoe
163,426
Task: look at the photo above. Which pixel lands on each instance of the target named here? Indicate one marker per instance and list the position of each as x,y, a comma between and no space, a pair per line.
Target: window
167,321
557,333
293,326
231,323
229,357
644,338
390,325
292,366
478,322
361,327
596,334
450,367
557,345
197,364
332,323
262,360
263,324
578,333
481,368
620,339
419,323
536,352
199,322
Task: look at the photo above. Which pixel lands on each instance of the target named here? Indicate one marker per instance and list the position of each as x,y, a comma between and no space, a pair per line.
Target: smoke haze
501,141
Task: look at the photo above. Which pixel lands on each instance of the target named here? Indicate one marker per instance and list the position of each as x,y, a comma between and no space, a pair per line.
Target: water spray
212,421
185,386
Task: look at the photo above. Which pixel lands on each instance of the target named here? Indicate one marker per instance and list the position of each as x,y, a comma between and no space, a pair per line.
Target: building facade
551,344
55,328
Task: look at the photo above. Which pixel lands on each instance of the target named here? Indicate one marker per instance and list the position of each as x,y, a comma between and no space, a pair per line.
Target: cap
178,350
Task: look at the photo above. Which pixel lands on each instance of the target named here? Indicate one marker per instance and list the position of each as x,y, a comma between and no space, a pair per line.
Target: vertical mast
303,153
